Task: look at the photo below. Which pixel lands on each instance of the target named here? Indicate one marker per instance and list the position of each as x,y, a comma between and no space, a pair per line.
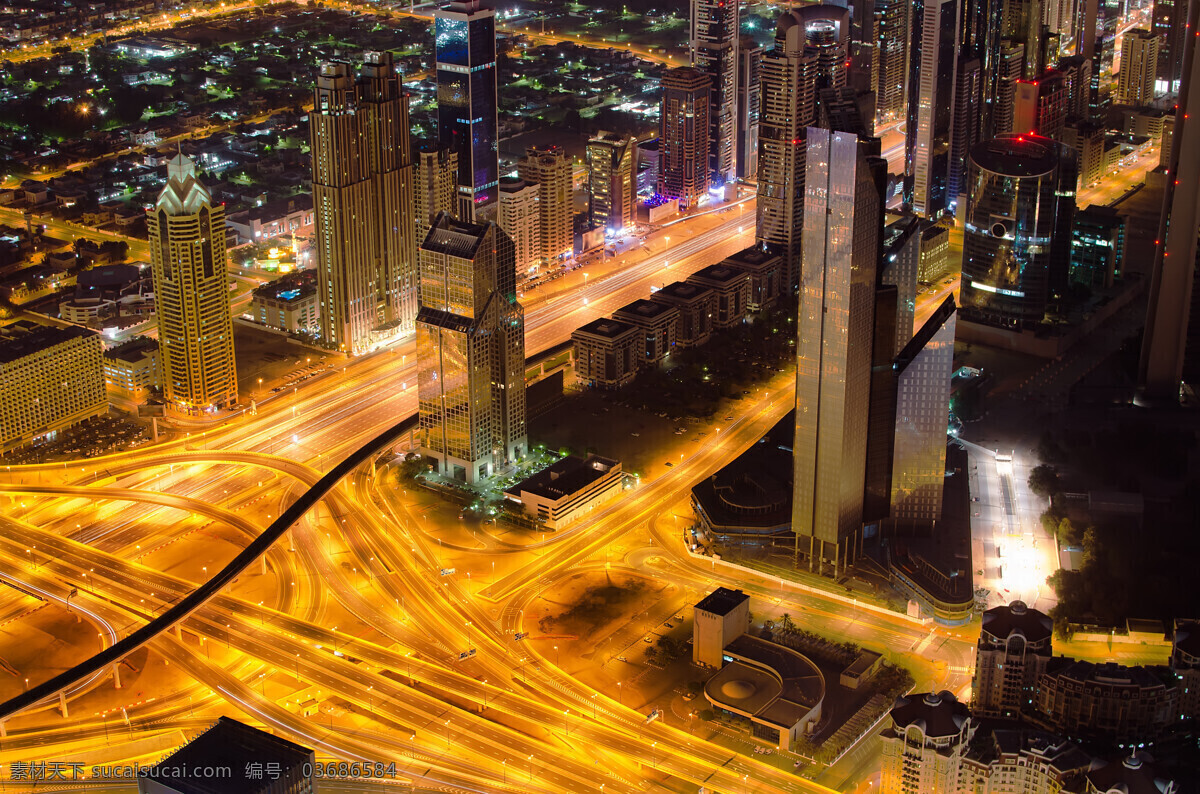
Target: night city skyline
534,396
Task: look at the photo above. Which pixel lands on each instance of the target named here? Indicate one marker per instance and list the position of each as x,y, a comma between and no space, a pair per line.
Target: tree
708,715
786,625
1044,481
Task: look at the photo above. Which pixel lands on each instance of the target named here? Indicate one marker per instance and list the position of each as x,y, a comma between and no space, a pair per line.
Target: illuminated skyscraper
470,351
465,42
930,102
1096,36
363,204
1168,24
1171,343
191,291
1139,66
1020,193
683,139
550,168
835,329
923,369
519,218
437,186
787,109
892,32
612,181
1041,106
749,106
714,50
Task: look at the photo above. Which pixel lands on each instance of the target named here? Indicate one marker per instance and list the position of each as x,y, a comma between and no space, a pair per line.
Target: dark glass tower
1016,241
465,40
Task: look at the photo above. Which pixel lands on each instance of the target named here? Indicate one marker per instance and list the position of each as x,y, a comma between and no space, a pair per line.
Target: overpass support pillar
116,668
3,729
263,558
62,702
179,631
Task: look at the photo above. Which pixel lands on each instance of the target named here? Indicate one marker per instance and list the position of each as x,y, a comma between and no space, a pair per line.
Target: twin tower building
455,287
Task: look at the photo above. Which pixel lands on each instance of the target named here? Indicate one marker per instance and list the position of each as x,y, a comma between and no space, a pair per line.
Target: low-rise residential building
1019,761
657,323
289,303
607,353
732,288
293,215
50,379
564,491
131,370
696,304
1126,705
765,269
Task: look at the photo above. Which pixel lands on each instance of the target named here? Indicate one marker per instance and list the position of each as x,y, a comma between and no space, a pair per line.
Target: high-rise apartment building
436,188
787,110
50,379
1014,648
550,168
1096,37
191,291
1076,72
749,104
835,330
925,744
1021,22
1010,66
1021,191
930,104
519,218
683,139
923,369
1139,67
1168,24
465,41
1040,106
966,114
612,181
364,205
1171,343
715,30
1097,246
892,32
825,42
470,351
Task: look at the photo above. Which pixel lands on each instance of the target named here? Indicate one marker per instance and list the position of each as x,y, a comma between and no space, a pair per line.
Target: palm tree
786,625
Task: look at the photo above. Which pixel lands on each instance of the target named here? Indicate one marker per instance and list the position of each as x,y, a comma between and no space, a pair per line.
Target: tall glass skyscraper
923,369
836,329
930,100
465,43
191,288
470,350
1020,193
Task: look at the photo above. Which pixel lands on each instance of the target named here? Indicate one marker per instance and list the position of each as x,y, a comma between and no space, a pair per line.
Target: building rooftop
939,318
24,338
682,291
134,350
722,601
605,327
718,274
456,238
288,288
1017,155
644,308
752,258
938,714
1002,621
511,184
229,743
564,477
772,682
1131,775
